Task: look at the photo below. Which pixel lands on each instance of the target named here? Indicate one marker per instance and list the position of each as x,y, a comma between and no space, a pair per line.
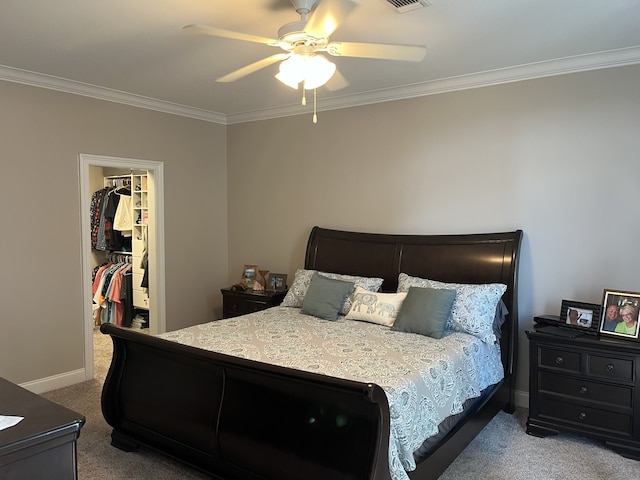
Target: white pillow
473,309
380,308
302,278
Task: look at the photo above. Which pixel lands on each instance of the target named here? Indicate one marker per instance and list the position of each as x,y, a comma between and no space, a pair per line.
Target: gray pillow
325,297
425,311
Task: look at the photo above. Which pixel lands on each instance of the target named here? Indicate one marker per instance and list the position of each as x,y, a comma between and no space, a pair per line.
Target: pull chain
315,116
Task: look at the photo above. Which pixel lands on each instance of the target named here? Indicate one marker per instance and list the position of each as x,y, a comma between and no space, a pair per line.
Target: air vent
404,6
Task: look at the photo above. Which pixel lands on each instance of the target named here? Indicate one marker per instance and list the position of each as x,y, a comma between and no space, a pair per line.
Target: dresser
241,302
586,385
43,445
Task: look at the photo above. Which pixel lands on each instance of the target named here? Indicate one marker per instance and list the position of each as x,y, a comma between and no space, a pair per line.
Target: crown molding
50,82
549,68
561,66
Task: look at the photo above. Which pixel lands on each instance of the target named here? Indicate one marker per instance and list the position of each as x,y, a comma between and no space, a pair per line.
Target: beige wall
42,133
556,157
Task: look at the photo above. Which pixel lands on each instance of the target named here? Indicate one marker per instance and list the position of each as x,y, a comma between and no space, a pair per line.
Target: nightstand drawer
235,303
581,389
557,358
236,306
591,417
617,368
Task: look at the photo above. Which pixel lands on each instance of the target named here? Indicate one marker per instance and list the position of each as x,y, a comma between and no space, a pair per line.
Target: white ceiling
134,51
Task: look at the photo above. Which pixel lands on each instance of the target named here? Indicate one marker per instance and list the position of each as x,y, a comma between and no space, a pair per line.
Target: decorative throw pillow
474,308
325,297
295,295
425,311
380,308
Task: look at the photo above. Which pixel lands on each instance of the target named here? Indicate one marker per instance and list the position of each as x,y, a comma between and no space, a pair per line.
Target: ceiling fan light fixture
292,71
313,70
319,71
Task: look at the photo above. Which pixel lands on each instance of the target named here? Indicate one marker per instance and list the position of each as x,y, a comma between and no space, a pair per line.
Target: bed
235,417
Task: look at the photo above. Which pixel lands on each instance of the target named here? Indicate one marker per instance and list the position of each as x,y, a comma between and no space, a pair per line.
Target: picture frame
620,311
580,315
249,275
277,282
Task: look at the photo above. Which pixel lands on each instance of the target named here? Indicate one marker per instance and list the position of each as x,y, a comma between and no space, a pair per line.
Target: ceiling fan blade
411,53
337,82
327,16
219,32
253,67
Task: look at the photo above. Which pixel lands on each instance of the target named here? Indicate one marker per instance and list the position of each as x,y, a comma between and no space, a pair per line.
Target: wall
556,157
43,132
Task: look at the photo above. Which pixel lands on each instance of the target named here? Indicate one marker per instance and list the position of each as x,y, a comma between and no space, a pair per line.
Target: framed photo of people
277,282
620,314
580,315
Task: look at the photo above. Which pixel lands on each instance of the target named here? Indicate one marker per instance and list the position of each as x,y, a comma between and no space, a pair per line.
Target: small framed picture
277,282
620,314
249,274
580,315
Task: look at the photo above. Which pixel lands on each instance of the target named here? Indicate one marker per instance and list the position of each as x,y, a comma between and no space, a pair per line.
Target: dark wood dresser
587,385
235,303
43,445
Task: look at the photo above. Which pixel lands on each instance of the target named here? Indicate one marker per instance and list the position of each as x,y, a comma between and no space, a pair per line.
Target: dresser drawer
614,368
586,416
582,389
558,358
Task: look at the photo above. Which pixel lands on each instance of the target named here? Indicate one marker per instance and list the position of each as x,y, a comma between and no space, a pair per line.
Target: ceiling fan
304,40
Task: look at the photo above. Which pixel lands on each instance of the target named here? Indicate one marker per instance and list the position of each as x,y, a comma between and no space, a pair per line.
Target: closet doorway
92,169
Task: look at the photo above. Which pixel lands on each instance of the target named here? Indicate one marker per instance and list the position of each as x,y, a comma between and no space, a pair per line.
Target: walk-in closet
119,218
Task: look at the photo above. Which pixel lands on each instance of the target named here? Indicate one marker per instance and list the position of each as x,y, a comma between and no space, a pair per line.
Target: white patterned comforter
425,379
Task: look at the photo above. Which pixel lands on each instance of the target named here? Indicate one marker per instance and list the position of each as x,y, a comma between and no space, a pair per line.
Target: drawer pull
559,360
583,390
610,367
582,416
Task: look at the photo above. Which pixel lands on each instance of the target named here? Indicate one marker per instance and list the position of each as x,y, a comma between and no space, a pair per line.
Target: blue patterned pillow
295,295
474,308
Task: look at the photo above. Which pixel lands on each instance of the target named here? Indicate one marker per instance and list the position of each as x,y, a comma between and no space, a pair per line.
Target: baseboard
522,399
56,381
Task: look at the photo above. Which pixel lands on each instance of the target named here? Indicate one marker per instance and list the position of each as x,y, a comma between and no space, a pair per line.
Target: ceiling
135,52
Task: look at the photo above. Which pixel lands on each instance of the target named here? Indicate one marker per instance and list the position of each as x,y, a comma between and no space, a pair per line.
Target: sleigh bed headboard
467,258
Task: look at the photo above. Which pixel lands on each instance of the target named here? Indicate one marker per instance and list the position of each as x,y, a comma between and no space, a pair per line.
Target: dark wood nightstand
236,303
587,385
43,445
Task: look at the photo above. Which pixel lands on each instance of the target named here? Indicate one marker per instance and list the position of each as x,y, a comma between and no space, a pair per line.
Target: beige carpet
502,451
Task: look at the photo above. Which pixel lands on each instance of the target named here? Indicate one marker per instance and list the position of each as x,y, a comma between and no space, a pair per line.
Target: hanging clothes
123,219
144,263
95,211
104,207
113,294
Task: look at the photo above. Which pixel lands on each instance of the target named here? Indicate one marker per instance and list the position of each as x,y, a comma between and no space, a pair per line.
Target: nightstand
43,444
587,385
236,302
